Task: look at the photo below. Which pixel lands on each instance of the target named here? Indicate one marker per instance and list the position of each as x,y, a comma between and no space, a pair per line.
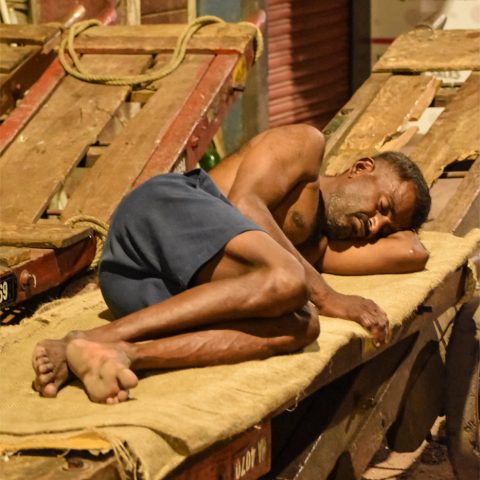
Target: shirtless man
209,280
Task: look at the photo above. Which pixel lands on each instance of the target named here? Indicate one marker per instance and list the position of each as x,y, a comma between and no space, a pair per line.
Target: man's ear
364,165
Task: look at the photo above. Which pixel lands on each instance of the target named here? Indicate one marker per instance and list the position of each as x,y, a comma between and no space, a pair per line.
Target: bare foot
50,365
103,369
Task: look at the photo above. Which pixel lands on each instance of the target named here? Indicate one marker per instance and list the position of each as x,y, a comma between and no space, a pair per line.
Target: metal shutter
308,60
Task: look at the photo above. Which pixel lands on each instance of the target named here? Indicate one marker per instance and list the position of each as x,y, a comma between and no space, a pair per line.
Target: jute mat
175,414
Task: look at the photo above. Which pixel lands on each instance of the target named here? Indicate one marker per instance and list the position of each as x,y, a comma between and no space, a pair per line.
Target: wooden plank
455,135
35,97
246,456
225,37
11,56
46,465
364,415
340,125
384,117
194,127
27,34
448,293
129,153
421,50
10,256
50,146
42,236
47,268
463,206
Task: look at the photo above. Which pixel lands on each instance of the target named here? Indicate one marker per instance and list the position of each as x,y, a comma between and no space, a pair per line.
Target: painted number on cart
7,290
249,458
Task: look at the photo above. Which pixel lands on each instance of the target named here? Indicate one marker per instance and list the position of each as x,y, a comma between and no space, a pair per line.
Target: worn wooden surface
340,125
455,135
56,466
424,49
398,100
32,101
37,162
27,34
42,236
190,133
462,212
463,392
10,256
11,56
359,419
163,38
129,153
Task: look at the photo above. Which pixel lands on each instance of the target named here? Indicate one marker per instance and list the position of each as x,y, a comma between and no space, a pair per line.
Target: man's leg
253,277
106,369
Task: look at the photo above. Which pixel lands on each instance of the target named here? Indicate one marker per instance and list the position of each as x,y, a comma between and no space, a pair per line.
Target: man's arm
269,171
401,252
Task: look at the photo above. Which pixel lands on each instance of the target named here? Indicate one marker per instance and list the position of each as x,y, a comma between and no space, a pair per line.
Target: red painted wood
32,101
39,92
192,130
49,268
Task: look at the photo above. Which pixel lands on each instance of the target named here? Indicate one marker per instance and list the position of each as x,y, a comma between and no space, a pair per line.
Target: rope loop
79,72
100,230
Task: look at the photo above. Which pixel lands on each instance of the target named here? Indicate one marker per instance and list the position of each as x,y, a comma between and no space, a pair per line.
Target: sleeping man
206,269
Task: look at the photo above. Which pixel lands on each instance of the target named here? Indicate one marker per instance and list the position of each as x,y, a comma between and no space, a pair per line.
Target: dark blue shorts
160,235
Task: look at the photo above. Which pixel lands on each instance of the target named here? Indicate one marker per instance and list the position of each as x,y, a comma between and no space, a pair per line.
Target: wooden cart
73,148
334,430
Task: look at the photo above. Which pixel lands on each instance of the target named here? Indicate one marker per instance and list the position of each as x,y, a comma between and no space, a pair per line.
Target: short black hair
408,171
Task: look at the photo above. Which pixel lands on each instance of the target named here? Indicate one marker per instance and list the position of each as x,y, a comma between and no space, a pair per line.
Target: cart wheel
463,388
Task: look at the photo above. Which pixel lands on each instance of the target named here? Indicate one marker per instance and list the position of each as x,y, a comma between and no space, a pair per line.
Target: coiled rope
100,230
79,72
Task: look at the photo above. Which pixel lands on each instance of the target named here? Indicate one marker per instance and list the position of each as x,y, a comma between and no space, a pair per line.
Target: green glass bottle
210,158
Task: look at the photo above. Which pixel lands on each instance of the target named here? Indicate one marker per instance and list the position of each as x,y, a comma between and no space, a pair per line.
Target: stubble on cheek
337,215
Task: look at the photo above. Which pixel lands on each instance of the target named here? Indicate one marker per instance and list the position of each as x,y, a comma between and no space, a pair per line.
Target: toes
50,390
46,378
127,379
45,367
122,395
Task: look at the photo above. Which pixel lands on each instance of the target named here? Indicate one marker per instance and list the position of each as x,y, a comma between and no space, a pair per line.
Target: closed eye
384,206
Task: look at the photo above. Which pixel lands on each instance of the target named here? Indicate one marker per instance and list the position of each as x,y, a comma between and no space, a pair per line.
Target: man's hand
361,310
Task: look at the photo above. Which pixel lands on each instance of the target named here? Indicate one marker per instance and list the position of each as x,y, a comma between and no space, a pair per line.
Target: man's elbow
415,258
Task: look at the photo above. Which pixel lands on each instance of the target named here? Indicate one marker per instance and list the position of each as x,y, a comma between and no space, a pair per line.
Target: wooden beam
27,34
54,141
219,38
193,129
455,135
422,50
383,117
132,149
362,416
41,235
11,56
10,256
463,392
462,212
47,268
340,125
34,98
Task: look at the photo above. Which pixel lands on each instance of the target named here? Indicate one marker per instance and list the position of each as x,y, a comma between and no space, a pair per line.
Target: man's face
369,205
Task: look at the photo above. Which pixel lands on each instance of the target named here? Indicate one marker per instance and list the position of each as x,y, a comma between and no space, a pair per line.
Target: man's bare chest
297,214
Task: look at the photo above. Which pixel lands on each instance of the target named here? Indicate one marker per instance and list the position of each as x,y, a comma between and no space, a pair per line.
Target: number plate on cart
8,290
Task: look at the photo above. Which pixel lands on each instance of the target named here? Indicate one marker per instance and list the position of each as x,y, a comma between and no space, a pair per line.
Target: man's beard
338,224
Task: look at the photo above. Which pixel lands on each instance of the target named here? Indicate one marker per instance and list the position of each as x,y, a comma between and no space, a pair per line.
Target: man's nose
377,222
